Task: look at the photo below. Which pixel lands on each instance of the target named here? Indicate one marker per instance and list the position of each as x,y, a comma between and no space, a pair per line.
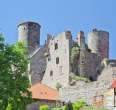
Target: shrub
58,85
44,107
79,78
9,107
93,108
56,108
78,104
68,106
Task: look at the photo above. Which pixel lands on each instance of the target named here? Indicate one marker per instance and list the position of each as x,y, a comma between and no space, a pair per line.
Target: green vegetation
93,108
44,107
14,84
68,106
78,105
57,109
58,85
75,50
74,56
79,78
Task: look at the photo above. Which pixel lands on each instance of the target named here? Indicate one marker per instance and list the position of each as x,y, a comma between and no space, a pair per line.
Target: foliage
93,108
79,78
68,106
58,85
57,109
9,107
78,104
13,80
74,53
74,56
44,107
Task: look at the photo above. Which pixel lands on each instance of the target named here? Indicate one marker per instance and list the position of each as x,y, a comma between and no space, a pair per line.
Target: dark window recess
43,72
57,60
56,46
51,73
82,62
91,78
49,58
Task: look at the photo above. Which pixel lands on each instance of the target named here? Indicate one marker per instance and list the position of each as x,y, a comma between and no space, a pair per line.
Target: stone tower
29,33
98,42
82,64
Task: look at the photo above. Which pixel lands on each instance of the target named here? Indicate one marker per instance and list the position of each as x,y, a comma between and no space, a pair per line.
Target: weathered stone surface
85,92
29,32
58,61
38,65
98,42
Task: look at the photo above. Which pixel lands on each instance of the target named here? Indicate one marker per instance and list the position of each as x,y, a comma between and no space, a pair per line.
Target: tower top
29,23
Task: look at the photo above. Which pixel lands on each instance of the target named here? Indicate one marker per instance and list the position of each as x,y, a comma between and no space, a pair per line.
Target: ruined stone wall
93,65
38,65
84,91
58,61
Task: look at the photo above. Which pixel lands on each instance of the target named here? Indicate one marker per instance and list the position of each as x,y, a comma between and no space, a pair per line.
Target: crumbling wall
38,65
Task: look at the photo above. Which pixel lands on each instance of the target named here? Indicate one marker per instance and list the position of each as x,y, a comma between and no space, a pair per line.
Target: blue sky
56,16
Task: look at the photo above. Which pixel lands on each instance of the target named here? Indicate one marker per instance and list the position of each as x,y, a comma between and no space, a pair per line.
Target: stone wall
93,64
38,65
85,91
37,104
58,61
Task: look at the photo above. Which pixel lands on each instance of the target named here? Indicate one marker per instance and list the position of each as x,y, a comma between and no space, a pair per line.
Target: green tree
14,84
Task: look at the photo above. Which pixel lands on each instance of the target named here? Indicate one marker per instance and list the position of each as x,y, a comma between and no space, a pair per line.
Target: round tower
98,42
29,33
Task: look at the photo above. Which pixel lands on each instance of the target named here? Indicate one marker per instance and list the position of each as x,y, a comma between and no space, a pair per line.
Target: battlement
29,23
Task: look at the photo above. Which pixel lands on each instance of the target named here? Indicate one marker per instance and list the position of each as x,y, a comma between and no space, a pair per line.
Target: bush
68,106
9,107
93,108
56,109
79,78
78,104
58,85
44,107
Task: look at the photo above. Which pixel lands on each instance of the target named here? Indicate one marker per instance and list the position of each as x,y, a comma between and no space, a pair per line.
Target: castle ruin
62,57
